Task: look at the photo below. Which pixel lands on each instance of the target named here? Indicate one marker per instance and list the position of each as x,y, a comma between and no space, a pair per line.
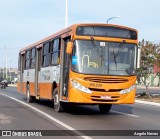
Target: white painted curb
148,103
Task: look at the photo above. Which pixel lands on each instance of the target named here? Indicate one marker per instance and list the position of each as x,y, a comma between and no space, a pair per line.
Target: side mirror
69,47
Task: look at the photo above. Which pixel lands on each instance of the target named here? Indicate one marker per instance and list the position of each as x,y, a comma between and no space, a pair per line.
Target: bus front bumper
76,96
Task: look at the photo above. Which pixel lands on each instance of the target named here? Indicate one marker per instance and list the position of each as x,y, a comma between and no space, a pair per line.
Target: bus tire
28,96
58,106
105,108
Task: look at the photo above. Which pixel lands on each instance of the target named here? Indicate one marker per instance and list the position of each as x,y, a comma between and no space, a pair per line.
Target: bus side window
46,54
55,52
33,57
27,60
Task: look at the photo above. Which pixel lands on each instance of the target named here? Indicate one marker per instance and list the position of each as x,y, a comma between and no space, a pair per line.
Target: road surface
17,116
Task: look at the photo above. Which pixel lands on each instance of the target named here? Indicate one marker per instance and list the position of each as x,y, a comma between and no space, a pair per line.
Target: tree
149,57
158,61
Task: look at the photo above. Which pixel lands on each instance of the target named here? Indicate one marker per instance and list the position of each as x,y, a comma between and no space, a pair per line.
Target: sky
23,22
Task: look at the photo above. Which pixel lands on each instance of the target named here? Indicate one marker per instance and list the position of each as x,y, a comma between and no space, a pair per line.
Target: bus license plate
106,97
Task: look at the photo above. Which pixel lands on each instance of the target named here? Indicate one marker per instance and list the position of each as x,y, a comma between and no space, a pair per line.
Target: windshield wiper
94,44
116,55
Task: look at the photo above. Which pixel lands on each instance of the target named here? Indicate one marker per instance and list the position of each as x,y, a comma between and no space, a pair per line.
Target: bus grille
106,80
104,90
98,99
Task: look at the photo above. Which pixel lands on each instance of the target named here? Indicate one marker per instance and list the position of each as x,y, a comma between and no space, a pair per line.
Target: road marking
125,113
50,117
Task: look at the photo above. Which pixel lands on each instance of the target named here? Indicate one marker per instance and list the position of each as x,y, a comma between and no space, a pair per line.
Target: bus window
55,52
46,54
27,60
33,54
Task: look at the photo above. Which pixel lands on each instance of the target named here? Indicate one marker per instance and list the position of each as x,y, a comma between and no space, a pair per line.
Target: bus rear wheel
105,108
28,96
58,106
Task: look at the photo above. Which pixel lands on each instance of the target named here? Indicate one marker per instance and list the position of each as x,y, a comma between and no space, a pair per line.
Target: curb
147,103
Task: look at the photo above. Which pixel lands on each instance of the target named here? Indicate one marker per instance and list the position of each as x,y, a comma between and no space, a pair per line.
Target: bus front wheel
105,108
58,106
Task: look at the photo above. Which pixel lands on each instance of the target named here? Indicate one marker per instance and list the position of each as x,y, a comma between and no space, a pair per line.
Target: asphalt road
16,116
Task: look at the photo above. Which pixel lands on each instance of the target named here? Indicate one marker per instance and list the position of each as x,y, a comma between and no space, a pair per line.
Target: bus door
37,70
22,61
64,70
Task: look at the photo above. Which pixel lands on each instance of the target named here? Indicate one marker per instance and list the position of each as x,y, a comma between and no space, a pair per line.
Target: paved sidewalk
152,90
150,87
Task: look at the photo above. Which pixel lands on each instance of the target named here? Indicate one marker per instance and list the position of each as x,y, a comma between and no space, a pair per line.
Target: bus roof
68,29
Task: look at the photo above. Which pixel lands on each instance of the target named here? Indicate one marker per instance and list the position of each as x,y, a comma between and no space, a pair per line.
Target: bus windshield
104,58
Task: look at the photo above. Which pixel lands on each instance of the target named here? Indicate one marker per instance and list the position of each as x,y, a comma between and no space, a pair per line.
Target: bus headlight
80,87
125,91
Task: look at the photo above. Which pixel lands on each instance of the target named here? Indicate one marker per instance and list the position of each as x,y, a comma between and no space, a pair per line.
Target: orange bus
82,64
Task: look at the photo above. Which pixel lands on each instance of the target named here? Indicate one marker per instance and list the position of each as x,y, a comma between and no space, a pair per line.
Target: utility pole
5,49
10,70
3,72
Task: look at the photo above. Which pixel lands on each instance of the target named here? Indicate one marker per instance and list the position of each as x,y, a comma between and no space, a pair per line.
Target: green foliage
150,55
158,55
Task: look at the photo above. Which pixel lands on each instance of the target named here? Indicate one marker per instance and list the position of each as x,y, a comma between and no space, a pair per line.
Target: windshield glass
103,58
